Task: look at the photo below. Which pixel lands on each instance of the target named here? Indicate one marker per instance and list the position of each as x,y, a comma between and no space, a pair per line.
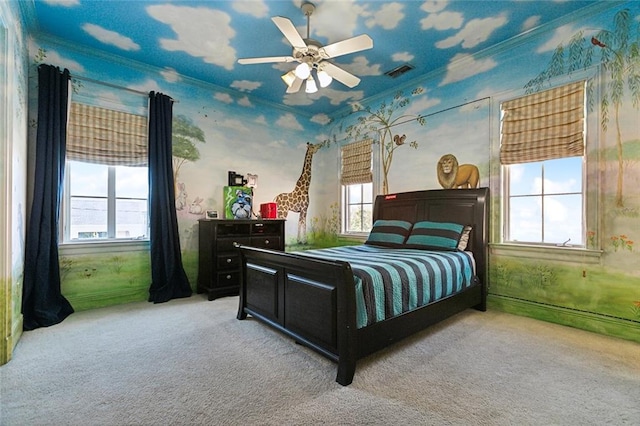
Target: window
105,202
357,187
545,202
106,177
358,202
542,152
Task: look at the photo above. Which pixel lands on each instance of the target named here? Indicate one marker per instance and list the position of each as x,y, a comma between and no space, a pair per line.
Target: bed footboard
310,300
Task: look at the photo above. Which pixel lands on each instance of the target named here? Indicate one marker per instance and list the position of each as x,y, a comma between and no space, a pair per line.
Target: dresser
219,260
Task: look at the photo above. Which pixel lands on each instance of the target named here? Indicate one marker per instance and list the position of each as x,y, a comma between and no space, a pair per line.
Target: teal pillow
389,233
435,235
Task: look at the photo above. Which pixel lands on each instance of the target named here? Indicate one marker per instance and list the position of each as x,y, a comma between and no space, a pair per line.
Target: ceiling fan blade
295,86
341,75
266,60
350,45
289,31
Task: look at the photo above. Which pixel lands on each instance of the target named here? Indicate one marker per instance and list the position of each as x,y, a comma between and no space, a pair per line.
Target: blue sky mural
204,39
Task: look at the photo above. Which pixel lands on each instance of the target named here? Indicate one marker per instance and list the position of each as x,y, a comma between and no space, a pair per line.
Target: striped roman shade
543,126
105,136
356,163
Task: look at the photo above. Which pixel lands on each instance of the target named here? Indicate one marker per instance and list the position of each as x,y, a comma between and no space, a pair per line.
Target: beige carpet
189,362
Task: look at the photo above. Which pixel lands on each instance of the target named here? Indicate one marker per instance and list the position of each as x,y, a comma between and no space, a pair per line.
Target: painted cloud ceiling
204,39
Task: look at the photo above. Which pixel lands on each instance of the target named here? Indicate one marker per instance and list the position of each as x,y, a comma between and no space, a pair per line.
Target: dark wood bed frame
313,300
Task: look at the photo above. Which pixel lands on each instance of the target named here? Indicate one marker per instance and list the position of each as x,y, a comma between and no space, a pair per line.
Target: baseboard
602,324
10,342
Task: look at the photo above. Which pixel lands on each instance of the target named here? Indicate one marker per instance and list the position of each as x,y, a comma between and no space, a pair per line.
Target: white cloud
255,8
324,22
320,119
336,97
54,58
387,17
147,86
474,32
201,32
261,119
463,66
245,85
531,22
562,35
421,104
170,75
360,67
110,37
402,57
289,121
223,97
235,124
442,21
64,3
434,6
245,102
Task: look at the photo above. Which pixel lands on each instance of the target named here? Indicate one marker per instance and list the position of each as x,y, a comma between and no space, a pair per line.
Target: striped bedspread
391,281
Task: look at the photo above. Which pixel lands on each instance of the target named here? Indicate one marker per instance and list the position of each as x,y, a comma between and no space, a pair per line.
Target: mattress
391,281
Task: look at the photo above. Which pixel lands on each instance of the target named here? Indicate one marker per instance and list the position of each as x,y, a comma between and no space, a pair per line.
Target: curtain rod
115,86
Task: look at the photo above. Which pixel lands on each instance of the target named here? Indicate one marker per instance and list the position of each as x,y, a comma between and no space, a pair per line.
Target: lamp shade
303,71
289,78
324,78
311,85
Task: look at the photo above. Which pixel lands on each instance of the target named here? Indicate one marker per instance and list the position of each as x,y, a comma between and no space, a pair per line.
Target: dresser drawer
266,228
228,261
266,241
228,279
227,244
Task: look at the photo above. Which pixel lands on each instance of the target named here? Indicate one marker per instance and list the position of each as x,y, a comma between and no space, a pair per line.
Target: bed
317,299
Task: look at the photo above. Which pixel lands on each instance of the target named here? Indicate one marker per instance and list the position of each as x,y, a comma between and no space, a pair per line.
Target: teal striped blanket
391,281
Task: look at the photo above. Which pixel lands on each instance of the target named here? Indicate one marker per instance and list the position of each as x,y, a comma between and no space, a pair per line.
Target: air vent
398,71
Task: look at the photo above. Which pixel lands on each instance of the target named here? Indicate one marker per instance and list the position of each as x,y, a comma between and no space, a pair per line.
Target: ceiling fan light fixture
289,78
303,71
311,85
324,78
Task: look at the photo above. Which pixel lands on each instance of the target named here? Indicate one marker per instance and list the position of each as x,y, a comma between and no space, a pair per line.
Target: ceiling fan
311,55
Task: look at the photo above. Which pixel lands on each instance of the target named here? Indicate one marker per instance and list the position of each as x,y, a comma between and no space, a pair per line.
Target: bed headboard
463,206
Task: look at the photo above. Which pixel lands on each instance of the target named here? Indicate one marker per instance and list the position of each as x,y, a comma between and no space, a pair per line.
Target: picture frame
211,214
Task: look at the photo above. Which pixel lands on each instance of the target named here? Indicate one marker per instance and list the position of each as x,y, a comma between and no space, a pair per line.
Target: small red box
269,210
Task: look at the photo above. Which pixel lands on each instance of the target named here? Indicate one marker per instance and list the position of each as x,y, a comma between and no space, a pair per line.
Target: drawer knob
228,277
228,260
266,241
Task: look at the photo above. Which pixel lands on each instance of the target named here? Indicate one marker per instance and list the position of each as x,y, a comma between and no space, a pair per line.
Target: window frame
346,207
112,199
590,161
506,195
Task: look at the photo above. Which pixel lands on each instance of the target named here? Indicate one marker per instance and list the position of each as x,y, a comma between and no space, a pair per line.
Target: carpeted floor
190,362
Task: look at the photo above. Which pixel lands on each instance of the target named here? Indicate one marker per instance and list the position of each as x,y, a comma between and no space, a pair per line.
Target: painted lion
451,175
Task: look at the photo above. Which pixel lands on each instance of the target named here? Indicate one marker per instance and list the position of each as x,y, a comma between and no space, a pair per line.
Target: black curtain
169,280
42,301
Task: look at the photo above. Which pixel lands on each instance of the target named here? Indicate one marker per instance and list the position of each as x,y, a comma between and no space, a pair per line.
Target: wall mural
447,113
298,200
452,175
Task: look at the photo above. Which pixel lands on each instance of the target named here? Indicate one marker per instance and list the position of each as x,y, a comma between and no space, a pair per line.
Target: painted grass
601,291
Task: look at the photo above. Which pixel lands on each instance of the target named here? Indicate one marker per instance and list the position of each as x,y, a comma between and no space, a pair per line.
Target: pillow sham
464,238
435,235
389,233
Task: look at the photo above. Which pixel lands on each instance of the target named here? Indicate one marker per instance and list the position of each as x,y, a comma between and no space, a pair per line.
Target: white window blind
544,126
105,136
356,163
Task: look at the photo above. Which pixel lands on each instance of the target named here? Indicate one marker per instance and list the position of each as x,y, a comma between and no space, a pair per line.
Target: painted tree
380,122
184,135
618,50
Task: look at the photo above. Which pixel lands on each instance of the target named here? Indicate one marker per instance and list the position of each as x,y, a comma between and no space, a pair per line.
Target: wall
239,134
13,165
596,288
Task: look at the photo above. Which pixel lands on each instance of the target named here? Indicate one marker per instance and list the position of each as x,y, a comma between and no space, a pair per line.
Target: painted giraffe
297,201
